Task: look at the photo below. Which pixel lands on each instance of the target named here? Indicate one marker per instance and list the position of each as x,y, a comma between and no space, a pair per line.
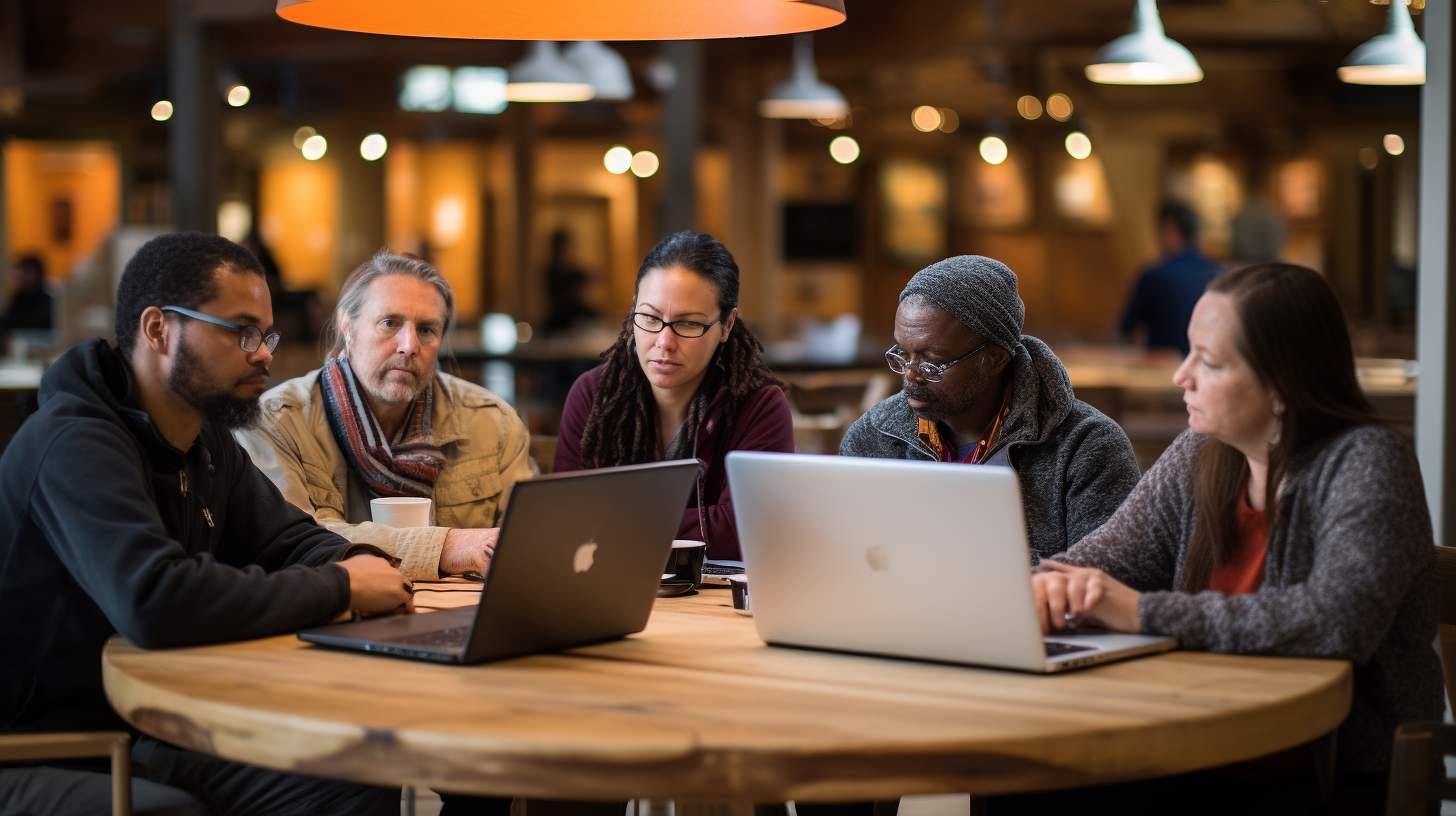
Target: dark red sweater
761,424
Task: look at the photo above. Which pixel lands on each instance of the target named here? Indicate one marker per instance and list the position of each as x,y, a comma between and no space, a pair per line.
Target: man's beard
937,407
188,380
396,393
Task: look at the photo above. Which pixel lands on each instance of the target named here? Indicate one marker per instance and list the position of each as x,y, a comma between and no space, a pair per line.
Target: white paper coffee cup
400,511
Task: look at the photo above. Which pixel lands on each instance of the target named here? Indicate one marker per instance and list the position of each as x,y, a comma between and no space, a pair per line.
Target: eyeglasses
687,329
249,337
899,363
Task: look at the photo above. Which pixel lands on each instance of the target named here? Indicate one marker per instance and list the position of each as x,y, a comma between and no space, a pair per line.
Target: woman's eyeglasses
687,329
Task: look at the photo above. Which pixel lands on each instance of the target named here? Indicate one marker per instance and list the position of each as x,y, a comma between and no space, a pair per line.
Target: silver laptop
578,561
909,559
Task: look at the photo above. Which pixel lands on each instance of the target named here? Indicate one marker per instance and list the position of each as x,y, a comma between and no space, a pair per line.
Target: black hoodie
105,527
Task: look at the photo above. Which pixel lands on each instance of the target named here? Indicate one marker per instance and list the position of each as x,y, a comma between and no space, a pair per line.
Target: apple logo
586,555
878,559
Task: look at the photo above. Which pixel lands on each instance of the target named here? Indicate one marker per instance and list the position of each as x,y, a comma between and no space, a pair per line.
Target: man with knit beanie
978,391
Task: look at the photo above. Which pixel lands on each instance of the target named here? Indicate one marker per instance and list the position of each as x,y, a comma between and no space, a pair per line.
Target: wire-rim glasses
899,362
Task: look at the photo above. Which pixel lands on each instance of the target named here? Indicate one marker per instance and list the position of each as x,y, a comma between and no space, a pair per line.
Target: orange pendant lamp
568,19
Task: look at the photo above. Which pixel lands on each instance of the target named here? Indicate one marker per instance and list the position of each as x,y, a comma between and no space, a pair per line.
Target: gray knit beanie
978,291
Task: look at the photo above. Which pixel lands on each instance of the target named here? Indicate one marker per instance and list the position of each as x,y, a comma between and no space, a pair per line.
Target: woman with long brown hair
685,379
1287,520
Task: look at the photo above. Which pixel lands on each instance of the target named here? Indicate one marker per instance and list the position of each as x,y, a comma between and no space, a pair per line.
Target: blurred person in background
566,288
31,305
1163,296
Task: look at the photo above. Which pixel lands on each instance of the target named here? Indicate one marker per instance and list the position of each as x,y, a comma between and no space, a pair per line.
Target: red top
761,423
1243,572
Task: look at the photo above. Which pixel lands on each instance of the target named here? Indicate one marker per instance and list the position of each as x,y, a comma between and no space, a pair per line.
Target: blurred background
947,127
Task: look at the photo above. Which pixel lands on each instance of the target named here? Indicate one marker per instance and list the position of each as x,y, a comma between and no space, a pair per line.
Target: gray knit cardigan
1075,465
1350,574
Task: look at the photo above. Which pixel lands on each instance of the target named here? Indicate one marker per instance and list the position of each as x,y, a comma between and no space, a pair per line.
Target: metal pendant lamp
803,95
543,76
1396,57
1144,56
603,67
568,19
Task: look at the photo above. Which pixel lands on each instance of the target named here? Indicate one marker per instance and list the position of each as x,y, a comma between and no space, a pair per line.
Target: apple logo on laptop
878,559
586,555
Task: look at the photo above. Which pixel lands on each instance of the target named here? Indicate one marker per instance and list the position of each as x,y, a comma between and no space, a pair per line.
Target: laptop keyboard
454,637
1056,649
721,569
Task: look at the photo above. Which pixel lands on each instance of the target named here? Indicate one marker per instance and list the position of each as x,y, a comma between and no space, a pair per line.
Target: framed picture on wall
914,194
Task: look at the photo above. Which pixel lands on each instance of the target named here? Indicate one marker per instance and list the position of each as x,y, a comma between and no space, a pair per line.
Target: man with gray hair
378,420
978,391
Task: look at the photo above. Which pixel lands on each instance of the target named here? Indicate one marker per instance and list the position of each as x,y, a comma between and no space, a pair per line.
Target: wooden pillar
194,132
682,125
11,77
754,148
530,284
1435,340
361,216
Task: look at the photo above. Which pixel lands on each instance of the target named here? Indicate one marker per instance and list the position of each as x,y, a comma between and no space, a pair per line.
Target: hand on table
468,550
376,587
1066,596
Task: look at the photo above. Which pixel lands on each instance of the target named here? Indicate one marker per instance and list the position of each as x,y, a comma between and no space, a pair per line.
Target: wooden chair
1446,593
824,404
1417,768
543,451
78,745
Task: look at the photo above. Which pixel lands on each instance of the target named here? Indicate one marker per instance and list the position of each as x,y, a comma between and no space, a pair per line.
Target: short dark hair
30,263
1182,217
174,270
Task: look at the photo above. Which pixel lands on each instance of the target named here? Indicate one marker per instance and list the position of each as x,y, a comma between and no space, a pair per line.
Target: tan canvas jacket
486,451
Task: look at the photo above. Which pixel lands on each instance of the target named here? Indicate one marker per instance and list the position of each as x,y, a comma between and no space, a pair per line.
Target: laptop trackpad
395,627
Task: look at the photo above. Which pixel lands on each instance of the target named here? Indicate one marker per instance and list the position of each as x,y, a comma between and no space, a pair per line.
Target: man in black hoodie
126,507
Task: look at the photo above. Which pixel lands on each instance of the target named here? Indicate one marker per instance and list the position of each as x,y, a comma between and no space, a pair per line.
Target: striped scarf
405,466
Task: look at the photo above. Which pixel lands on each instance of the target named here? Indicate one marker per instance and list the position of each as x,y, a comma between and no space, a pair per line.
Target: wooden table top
696,707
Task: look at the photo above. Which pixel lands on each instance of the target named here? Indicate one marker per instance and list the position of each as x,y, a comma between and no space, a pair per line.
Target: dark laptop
579,559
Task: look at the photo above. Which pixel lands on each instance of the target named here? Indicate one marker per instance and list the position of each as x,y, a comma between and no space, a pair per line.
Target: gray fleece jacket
1075,465
1350,574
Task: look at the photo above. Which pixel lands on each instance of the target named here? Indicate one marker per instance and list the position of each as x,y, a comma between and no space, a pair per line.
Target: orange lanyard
929,434
983,448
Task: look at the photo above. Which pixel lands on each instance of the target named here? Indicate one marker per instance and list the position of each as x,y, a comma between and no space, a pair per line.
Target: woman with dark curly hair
685,379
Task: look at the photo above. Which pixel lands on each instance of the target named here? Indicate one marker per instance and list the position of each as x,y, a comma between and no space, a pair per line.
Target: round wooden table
696,707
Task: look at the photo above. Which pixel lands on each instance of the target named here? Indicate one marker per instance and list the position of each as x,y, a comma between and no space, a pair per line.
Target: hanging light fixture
569,19
543,76
1145,56
802,95
603,67
1396,57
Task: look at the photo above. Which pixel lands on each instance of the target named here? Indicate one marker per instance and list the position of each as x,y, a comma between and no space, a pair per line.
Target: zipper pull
207,514
182,480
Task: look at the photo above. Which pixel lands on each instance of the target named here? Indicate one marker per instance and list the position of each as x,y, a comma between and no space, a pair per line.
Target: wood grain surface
697,708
